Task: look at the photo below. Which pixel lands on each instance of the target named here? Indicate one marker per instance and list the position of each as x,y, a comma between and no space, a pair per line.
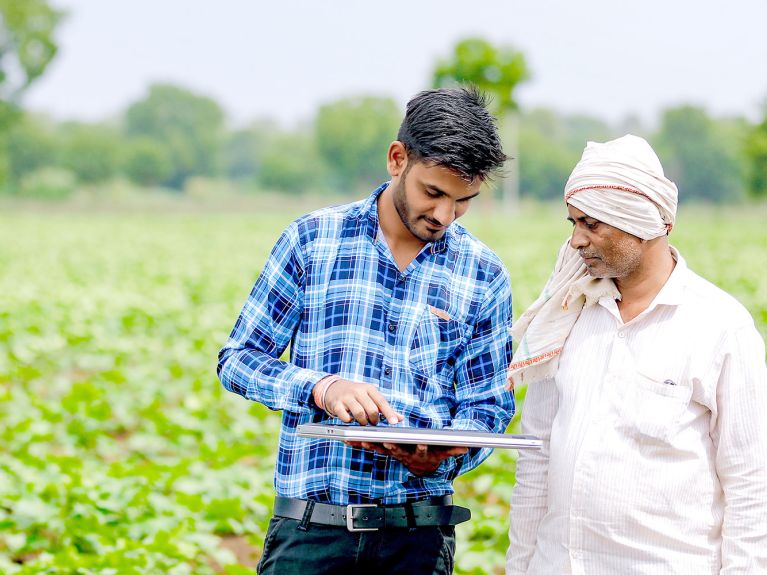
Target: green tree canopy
496,70
189,126
26,47
91,151
32,144
244,150
146,162
755,150
353,136
701,154
550,146
291,164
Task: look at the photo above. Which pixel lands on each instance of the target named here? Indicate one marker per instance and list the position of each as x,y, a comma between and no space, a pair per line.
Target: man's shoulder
324,222
714,301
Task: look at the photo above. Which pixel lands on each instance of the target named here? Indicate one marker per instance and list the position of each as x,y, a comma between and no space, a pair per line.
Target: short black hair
452,127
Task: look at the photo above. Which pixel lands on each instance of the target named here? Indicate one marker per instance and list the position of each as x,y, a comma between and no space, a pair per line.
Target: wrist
319,393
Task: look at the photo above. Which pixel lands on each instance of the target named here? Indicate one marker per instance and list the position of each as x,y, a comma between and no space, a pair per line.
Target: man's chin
433,236
428,235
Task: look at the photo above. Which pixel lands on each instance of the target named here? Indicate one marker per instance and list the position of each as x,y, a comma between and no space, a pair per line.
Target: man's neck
639,290
403,245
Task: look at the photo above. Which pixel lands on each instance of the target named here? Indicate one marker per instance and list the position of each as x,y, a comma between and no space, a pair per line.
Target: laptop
417,435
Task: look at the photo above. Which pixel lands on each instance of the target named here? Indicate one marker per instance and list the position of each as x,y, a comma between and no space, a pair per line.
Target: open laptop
417,435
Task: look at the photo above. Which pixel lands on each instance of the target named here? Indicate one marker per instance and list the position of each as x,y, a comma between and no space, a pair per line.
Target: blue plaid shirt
434,339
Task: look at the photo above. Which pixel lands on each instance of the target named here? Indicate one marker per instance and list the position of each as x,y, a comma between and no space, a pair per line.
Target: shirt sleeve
530,495
249,364
483,404
740,438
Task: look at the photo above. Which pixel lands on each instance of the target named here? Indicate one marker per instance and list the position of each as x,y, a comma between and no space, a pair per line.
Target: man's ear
396,159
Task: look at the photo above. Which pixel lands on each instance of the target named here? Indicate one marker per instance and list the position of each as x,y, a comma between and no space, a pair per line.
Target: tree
146,162
545,157
755,150
353,136
190,127
291,164
497,70
31,145
26,49
90,151
701,155
244,149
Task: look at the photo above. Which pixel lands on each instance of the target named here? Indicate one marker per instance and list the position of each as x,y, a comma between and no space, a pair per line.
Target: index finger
383,406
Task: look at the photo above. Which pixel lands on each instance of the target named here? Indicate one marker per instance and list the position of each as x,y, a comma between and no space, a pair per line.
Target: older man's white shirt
655,443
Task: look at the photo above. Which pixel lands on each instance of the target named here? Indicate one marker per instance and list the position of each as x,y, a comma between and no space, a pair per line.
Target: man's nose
444,213
578,239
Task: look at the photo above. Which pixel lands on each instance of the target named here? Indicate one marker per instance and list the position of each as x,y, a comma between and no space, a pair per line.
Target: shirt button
621,334
387,371
392,327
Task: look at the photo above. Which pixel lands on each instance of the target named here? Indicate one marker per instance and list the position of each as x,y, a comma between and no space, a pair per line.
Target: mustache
434,222
585,255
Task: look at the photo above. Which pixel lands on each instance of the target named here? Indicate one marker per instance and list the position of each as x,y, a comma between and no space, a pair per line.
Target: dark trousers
323,549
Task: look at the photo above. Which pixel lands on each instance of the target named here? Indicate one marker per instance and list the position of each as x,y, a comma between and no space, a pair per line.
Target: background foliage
122,454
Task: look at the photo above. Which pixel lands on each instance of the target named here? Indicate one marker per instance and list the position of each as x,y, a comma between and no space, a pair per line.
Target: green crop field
121,454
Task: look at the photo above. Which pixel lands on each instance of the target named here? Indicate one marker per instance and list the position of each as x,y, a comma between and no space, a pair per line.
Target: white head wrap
622,184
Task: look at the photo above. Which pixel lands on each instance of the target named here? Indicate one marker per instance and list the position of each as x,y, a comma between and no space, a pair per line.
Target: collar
368,214
671,294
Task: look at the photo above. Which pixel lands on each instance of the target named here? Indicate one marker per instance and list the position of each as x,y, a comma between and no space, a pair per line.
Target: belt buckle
350,519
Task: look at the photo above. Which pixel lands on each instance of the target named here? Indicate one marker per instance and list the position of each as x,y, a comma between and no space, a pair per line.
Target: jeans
324,549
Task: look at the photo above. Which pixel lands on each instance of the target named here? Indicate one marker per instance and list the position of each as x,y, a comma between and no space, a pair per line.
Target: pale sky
283,58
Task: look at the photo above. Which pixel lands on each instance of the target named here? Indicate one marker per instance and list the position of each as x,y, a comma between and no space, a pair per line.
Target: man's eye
592,226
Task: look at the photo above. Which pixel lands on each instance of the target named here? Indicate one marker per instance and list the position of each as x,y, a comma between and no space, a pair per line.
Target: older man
649,387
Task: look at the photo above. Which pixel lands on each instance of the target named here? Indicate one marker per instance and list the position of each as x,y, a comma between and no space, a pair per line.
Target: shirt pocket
656,407
437,341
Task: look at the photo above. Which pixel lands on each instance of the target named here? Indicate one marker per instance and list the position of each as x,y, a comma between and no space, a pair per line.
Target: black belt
372,517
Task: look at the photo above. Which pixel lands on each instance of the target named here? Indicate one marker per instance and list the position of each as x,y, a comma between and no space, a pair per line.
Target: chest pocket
437,341
655,408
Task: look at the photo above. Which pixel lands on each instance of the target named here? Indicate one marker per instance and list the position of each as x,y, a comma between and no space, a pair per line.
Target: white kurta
655,443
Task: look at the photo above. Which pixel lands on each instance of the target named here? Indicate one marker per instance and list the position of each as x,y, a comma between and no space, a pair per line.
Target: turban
620,183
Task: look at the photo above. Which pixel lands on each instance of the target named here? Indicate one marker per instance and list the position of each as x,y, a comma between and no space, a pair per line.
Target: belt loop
410,515
307,517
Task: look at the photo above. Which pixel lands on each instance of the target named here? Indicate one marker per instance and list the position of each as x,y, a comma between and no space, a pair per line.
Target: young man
394,314
649,387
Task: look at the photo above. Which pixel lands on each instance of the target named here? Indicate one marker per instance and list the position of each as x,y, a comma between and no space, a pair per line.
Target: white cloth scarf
620,183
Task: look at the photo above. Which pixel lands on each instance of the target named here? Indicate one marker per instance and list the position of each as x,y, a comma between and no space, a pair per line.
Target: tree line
173,137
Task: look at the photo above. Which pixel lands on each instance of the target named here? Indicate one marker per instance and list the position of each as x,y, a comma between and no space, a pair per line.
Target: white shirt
655,443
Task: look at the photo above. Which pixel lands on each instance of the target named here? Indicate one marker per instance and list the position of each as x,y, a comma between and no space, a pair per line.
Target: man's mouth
434,225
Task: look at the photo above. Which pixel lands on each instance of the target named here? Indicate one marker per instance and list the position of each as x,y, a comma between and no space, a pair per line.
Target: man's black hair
453,128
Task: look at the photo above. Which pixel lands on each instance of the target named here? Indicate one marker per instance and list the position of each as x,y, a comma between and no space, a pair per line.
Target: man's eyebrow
436,189
580,219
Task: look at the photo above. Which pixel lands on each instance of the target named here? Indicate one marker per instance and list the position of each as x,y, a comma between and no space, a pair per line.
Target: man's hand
419,459
349,401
